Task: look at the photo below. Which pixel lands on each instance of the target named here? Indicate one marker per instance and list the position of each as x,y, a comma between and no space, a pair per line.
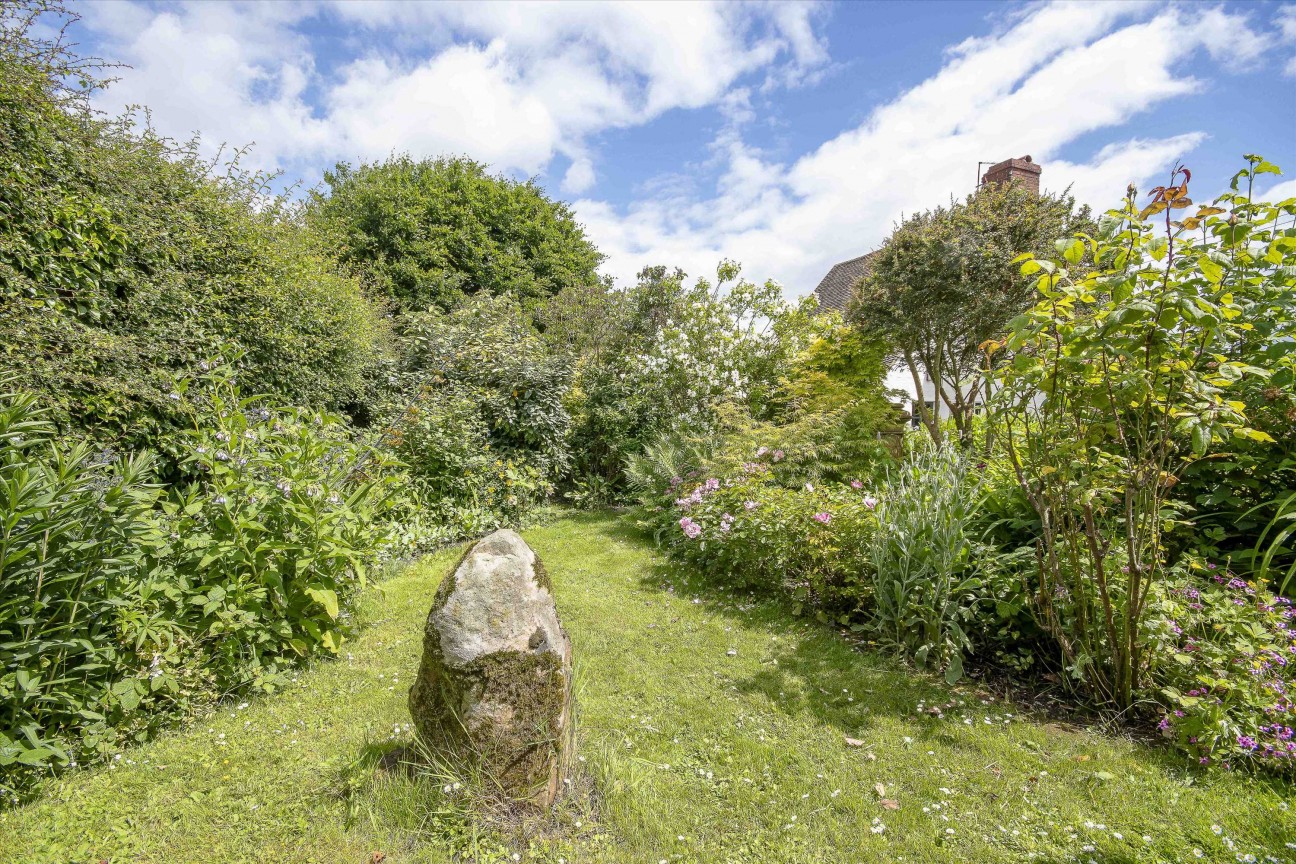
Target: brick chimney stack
1022,171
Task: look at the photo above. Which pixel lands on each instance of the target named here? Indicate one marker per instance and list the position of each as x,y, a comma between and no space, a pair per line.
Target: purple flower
726,522
823,518
855,484
870,502
691,528
1246,742
749,505
778,455
761,451
712,484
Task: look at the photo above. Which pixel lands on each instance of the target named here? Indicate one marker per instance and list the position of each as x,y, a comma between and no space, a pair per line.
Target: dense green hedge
124,261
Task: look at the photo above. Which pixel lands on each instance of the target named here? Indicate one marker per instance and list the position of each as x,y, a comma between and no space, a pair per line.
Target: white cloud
1279,192
511,84
1285,20
1056,74
579,177
520,84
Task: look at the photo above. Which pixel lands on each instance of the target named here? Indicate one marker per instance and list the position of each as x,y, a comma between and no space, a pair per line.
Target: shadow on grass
813,669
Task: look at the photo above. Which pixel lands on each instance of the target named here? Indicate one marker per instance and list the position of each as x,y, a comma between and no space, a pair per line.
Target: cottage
834,291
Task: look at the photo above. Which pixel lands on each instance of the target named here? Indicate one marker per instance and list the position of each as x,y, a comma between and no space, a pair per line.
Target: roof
834,290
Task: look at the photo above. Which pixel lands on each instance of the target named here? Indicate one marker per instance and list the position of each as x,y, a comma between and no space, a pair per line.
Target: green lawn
691,754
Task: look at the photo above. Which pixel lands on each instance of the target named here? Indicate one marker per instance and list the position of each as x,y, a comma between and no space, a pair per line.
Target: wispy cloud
510,84
530,87
1056,74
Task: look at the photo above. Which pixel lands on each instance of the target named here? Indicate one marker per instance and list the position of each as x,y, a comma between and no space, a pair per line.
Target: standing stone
494,685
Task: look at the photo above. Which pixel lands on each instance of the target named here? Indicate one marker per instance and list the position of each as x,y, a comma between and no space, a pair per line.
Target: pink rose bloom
726,521
809,487
712,484
761,451
855,484
823,518
870,502
691,528
749,505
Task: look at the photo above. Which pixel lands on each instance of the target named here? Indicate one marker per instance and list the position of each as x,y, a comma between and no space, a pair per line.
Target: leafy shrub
1114,382
665,357
124,262
274,538
926,588
1225,663
428,233
75,526
476,412
122,605
751,532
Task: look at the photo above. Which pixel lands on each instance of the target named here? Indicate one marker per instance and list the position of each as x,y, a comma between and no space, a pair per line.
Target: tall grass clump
925,586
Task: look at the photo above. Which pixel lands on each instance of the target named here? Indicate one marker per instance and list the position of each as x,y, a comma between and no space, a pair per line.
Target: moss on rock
494,685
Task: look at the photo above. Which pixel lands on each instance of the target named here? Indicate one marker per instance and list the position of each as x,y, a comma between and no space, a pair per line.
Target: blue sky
787,136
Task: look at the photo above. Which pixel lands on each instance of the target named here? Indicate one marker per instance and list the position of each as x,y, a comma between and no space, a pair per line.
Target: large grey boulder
494,685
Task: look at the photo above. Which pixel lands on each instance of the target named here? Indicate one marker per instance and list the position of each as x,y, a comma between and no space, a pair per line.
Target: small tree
945,281
1117,380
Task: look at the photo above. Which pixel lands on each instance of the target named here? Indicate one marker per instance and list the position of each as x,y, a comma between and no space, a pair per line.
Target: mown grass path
713,729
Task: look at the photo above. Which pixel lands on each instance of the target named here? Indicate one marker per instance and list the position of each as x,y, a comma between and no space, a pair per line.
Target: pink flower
809,487
761,451
691,528
855,484
823,518
870,502
712,484
778,455
749,505
726,522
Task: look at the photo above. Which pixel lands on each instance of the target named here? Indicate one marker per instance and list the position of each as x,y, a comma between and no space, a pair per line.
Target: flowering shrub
751,532
1226,667
476,414
268,545
121,606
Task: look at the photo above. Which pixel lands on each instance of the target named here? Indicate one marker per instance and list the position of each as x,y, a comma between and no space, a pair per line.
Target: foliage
123,604
945,281
1115,381
1225,662
428,233
475,410
74,523
125,261
926,587
275,536
667,357
752,532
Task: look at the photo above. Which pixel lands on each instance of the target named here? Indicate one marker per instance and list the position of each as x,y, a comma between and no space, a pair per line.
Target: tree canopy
944,282
429,232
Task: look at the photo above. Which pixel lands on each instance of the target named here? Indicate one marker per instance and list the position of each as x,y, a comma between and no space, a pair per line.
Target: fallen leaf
377,857
880,789
853,742
1083,757
890,803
